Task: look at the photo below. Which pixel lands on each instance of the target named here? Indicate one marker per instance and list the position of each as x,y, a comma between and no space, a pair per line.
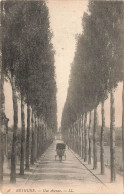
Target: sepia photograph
62,96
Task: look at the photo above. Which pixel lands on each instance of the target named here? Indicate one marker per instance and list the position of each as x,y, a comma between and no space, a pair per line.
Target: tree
97,67
112,34
38,82
10,55
28,59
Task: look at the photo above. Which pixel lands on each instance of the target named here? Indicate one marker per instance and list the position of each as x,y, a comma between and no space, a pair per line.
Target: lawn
118,160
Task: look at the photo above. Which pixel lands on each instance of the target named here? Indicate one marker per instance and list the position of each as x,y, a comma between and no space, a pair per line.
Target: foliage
28,54
98,63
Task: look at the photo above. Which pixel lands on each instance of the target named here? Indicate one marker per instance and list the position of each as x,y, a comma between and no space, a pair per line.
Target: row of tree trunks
86,141
34,145
15,118
34,134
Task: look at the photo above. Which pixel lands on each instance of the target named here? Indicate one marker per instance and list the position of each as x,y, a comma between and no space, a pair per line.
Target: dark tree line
28,63
96,70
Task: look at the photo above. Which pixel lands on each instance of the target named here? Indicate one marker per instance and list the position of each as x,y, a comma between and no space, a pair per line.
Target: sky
65,22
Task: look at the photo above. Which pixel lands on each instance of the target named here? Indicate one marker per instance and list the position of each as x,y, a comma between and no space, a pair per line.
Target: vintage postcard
61,97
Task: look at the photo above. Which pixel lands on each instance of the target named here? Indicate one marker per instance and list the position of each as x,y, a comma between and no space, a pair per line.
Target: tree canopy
98,63
28,55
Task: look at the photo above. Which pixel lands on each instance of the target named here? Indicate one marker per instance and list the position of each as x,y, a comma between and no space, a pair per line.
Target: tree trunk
2,113
73,137
35,152
76,138
112,136
32,142
38,128
94,140
22,136
70,138
86,137
28,137
123,130
82,136
1,153
1,95
80,142
102,139
68,131
15,117
41,141
1,156
42,138
89,136
79,125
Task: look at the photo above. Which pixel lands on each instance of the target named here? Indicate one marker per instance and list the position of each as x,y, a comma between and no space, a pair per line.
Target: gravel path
66,176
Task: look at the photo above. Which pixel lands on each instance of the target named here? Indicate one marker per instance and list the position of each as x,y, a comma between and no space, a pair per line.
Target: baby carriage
60,151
